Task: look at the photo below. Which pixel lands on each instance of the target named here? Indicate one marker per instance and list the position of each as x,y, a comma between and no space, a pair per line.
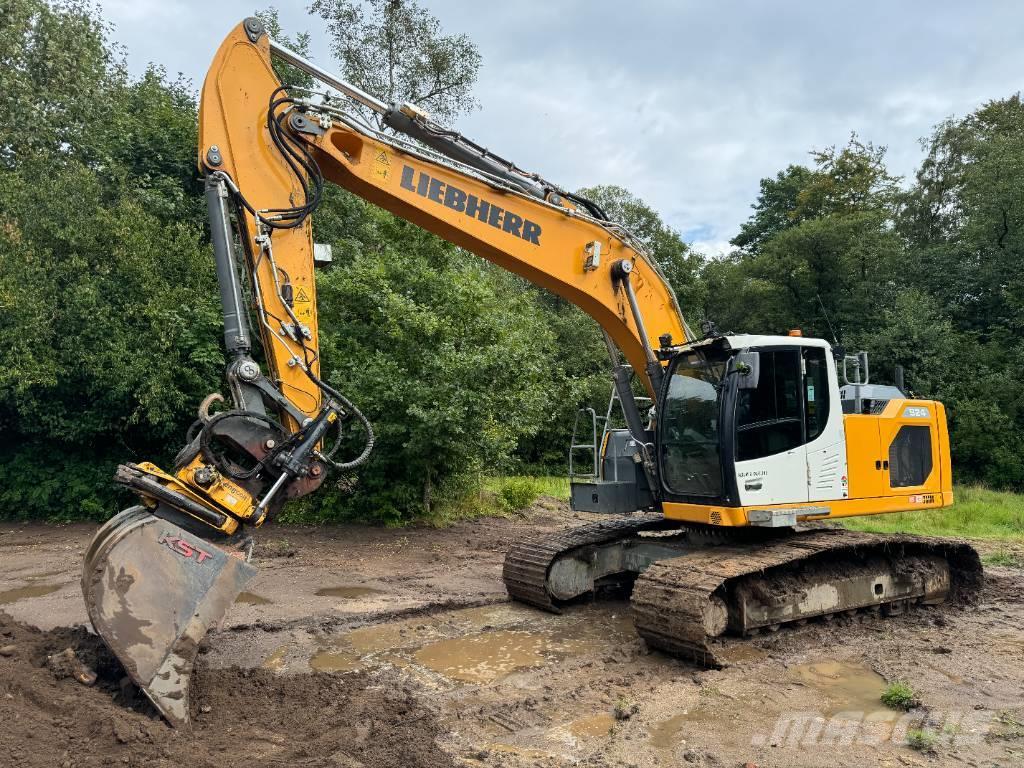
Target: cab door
771,454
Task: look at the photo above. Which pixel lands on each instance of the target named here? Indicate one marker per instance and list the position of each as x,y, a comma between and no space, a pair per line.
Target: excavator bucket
152,591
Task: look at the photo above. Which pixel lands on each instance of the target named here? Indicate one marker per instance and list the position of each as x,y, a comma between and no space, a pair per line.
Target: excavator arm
445,184
157,576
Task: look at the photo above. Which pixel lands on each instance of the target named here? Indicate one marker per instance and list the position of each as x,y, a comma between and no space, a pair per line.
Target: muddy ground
362,646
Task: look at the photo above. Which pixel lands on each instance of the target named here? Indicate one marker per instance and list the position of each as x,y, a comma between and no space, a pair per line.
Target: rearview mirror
747,366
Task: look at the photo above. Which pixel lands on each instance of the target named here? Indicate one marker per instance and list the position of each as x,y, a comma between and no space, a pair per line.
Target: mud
348,593
435,667
242,717
251,598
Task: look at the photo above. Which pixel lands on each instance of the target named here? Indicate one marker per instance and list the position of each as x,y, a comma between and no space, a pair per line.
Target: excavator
713,488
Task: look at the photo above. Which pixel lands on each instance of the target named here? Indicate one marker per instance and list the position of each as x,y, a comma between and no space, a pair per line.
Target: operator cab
742,416
755,430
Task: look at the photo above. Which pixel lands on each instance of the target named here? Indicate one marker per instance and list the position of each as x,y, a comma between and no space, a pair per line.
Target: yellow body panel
228,495
191,492
233,118
737,516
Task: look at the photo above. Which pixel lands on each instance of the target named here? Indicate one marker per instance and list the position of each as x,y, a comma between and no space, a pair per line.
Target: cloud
687,104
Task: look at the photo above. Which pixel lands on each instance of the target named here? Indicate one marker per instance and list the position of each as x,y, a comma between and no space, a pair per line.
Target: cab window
690,460
816,391
770,419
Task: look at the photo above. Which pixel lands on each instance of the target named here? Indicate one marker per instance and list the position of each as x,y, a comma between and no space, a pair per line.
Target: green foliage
899,695
775,208
107,291
1005,558
518,493
56,483
921,739
397,51
448,355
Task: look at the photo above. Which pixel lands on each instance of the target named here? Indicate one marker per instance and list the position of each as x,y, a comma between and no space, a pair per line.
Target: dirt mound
240,717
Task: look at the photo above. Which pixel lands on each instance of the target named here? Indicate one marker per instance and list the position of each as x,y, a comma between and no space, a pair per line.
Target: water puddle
23,593
726,720
250,598
275,661
348,593
475,645
485,657
595,726
327,660
847,687
45,575
667,734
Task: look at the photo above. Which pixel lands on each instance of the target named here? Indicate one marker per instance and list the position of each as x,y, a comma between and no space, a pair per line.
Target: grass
556,487
625,708
920,739
978,513
900,696
497,497
1004,558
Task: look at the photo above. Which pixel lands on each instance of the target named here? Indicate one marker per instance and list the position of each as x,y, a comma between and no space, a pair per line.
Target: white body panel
776,479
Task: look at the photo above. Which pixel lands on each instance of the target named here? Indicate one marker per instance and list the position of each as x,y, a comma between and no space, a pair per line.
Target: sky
687,104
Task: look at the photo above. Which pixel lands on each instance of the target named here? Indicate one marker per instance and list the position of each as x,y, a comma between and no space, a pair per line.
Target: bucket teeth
152,591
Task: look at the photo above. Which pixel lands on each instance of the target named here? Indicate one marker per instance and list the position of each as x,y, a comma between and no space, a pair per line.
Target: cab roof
748,340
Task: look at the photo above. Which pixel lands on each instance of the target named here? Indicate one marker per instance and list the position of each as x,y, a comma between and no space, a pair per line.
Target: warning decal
382,165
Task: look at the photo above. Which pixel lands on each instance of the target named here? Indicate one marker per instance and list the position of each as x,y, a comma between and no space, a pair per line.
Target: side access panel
612,498
864,457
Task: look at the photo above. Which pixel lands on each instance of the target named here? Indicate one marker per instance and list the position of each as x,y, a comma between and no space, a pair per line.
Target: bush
899,695
517,493
921,740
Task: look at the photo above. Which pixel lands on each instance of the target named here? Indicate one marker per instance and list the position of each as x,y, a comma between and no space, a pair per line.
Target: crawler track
527,562
674,601
698,604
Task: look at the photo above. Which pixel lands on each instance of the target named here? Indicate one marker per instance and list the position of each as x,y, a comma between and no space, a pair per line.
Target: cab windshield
691,464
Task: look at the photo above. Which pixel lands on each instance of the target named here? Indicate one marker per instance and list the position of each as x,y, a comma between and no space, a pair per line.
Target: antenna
827,320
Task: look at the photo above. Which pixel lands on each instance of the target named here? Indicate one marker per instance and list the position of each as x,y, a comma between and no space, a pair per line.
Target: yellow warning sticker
301,294
382,165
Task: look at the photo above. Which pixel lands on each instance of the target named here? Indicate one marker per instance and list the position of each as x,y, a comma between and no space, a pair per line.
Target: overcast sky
686,104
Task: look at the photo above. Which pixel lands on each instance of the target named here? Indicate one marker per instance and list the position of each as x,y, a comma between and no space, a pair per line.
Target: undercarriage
697,590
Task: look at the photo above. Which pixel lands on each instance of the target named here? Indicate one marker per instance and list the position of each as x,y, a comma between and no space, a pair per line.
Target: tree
965,218
446,354
820,250
775,208
55,71
851,180
396,51
107,292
